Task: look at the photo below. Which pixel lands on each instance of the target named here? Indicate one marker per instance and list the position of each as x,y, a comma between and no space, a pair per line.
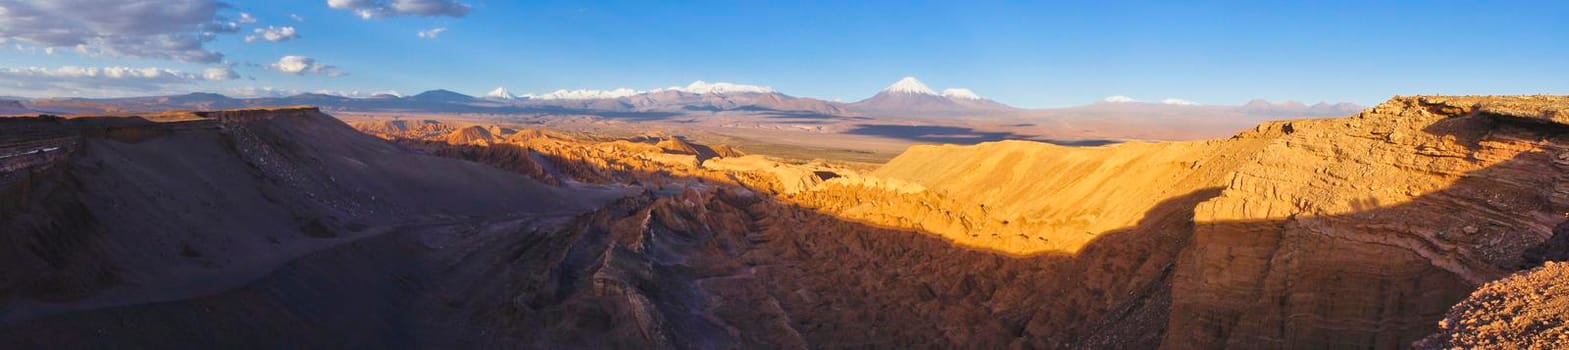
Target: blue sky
1030,54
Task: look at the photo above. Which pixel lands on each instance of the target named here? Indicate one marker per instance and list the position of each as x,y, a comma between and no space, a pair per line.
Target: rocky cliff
1344,232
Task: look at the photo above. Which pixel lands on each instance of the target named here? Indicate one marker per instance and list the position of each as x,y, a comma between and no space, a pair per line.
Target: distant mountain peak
441,95
960,93
439,92
909,85
500,93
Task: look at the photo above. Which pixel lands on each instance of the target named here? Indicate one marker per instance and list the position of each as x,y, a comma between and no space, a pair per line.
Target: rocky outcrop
416,129
1529,310
472,135
678,146
30,146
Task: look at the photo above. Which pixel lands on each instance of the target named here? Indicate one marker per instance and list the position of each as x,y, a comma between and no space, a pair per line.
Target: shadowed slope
145,211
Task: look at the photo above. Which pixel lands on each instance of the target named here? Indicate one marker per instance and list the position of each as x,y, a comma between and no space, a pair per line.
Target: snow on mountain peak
696,87
910,85
1179,102
582,94
1119,99
501,93
960,93
703,87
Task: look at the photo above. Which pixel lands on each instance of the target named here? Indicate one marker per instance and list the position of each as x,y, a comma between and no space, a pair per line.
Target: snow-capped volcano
500,93
910,97
909,85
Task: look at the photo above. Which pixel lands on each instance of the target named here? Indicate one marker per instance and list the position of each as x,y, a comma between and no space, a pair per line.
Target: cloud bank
273,34
369,9
105,81
160,29
960,93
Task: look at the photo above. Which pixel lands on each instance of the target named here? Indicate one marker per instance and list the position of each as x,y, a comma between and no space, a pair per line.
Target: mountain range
906,98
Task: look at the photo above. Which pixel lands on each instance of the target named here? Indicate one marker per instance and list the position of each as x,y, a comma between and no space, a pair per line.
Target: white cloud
1179,102
273,34
129,73
104,81
160,29
245,18
1119,99
960,93
297,18
368,9
301,65
220,74
432,33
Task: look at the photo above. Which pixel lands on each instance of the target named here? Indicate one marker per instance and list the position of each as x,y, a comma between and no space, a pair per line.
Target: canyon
286,227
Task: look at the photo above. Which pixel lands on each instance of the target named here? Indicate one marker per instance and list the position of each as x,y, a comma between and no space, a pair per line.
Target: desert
457,174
